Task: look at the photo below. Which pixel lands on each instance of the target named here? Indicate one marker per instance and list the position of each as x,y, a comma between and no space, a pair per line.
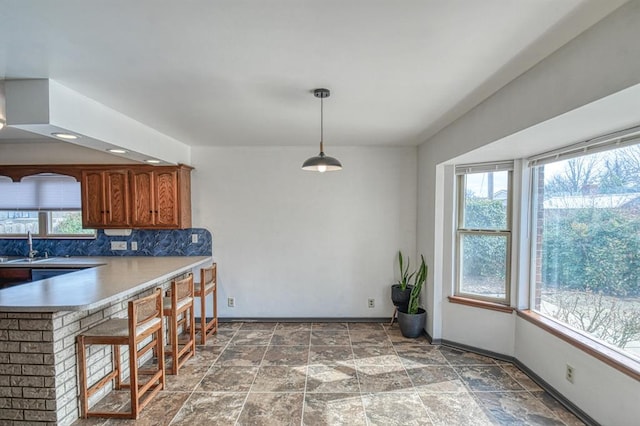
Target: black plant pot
412,325
400,298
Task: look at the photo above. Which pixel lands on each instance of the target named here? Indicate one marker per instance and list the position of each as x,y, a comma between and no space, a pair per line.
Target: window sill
481,304
605,354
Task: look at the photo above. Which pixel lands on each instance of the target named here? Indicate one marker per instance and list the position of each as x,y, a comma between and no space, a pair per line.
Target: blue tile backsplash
150,243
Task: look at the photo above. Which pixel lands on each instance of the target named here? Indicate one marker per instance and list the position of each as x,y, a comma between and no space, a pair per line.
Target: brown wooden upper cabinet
105,198
161,197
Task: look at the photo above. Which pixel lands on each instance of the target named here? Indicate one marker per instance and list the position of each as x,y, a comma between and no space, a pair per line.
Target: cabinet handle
151,211
156,211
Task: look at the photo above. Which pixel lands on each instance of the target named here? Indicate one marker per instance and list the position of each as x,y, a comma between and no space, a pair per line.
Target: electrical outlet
118,245
231,302
372,303
194,238
570,374
134,245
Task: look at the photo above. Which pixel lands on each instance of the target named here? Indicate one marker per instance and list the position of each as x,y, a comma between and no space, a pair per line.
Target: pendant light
322,163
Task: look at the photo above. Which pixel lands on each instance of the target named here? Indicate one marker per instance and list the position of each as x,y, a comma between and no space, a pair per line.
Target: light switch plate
134,245
194,238
118,245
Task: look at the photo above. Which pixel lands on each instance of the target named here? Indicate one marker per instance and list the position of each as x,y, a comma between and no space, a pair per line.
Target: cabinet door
117,198
166,198
92,199
142,194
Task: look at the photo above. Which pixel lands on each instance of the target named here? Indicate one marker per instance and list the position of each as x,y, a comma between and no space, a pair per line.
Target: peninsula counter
39,322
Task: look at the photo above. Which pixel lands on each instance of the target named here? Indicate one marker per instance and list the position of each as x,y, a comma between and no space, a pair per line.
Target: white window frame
461,172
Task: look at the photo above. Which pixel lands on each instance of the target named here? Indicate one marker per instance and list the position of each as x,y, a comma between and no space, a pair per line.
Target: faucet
32,252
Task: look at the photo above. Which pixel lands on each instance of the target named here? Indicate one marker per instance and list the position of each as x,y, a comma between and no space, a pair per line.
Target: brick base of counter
38,362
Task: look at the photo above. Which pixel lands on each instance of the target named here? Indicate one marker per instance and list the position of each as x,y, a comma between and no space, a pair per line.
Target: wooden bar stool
208,285
141,331
178,309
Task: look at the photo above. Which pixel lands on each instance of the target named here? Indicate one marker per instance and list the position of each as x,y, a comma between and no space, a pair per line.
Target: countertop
104,280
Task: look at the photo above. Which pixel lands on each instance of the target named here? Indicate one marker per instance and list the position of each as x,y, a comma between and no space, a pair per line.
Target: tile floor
342,374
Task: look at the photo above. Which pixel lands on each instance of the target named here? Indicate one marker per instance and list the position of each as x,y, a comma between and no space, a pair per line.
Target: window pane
587,247
18,222
485,200
484,265
67,223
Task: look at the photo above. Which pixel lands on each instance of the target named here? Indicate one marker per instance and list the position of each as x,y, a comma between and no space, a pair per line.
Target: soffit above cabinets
49,109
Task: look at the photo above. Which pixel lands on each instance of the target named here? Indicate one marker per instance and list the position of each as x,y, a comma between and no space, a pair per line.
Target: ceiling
241,73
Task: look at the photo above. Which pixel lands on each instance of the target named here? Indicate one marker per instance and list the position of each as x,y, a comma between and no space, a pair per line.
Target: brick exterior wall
38,362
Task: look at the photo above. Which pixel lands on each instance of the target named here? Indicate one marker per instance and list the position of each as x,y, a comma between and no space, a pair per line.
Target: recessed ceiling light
153,161
118,151
65,135
1,125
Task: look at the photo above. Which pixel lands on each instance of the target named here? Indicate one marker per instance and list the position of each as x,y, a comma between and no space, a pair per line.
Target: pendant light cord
321,125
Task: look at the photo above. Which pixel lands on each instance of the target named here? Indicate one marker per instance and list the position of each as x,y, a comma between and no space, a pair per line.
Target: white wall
292,243
600,62
609,396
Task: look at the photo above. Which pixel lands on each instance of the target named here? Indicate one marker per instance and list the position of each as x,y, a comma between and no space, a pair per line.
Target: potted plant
401,291
412,318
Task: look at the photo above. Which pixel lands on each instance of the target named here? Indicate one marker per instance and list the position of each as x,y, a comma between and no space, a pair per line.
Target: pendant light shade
321,162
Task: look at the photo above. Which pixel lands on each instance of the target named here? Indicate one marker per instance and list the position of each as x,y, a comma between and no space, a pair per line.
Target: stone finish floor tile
375,326
228,379
369,337
387,409
332,379
330,354
419,356
524,380
436,378
487,378
280,379
458,408
383,379
251,337
272,409
259,325
508,408
242,355
209,408
286,355
329,326
558,409
376,355
340,373
160,410
291,337
330,337
221,338
460,357
322,409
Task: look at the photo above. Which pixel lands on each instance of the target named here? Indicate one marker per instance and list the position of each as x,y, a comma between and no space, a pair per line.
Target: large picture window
483,235
46,205
586,236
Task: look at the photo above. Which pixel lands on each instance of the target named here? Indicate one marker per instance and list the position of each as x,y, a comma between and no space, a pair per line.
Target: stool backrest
182,288
145,309
208,275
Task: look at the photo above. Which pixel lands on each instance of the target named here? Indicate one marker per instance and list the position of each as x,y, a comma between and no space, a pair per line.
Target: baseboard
539,381
473,349
306,319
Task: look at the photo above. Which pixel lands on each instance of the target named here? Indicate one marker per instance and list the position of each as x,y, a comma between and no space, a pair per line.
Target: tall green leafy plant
405,276
420,279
